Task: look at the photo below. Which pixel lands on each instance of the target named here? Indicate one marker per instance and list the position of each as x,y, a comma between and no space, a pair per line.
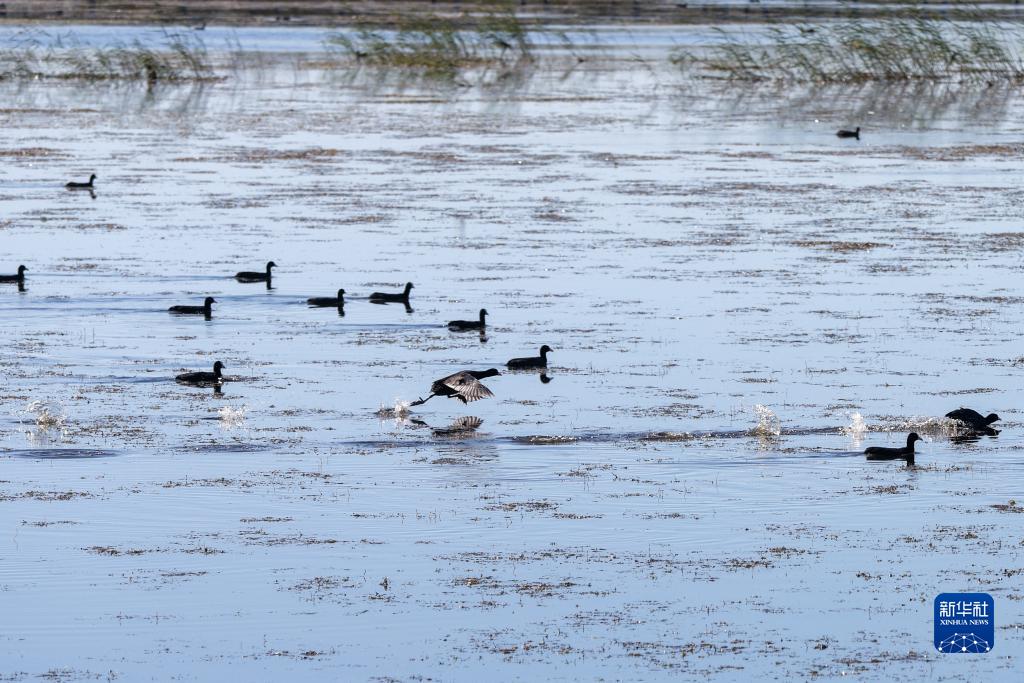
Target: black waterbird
464,385
974,419
252,276
540,361
328,301
401,297
203,377
206,309
82,186
19,278
459,325
905,453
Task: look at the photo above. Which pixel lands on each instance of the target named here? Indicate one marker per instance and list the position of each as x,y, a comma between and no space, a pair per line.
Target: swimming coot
973,419
203,377
401,297
905,453
325,301
469,324
250,276
20,277
82,186
849,133
540,361
464,386
206,309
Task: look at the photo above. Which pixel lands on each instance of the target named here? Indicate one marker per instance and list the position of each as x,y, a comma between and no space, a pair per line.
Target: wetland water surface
738,301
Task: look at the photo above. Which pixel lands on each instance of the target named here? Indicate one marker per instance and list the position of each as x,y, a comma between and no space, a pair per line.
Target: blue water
690,252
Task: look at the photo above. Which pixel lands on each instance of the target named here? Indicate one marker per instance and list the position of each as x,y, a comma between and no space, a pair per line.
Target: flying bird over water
464,385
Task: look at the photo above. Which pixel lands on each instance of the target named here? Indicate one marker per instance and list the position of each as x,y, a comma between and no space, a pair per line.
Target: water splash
399,411
48,419
856,429
46,416
768,424
930,426
232,418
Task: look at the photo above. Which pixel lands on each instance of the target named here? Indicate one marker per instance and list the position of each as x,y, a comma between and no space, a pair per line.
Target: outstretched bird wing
467,387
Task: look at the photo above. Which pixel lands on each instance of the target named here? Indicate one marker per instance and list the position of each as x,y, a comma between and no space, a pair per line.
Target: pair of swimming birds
375,298
466,385
978,424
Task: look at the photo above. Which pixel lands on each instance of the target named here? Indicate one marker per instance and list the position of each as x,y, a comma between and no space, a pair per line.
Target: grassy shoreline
461,13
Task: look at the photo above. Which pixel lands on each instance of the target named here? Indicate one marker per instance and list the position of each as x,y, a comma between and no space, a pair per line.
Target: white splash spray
856,429
399,411
232,418
768,424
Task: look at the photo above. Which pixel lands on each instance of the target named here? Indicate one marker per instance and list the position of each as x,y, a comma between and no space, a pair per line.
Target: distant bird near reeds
206,309
328,301
201,378
255,276
19,277
399,297
848,133
82,186
464,386
905,453
461,325
974,419
531,362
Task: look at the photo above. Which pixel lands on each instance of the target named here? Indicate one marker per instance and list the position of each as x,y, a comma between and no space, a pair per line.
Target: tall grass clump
438,45
175,57
894,49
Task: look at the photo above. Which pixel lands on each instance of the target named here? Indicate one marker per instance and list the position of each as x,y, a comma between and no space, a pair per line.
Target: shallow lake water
738,303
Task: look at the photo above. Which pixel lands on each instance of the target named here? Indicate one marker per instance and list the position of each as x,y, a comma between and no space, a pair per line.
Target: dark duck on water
254,276
540,361
328,301
463,325
384,297
19,277
82,186
206,309
200,378
905,453
974,419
